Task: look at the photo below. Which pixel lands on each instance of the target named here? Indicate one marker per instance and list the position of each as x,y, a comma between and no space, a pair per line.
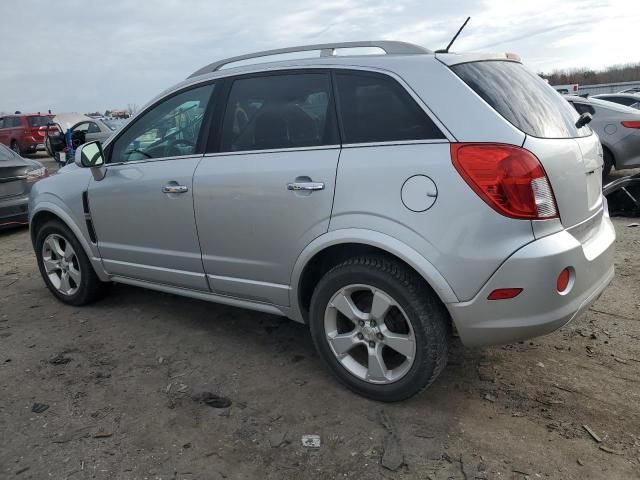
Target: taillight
36,174
509,179
631,124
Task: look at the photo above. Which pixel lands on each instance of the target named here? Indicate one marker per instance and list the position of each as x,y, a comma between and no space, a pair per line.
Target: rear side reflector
509,179
631,124
563,280
504,293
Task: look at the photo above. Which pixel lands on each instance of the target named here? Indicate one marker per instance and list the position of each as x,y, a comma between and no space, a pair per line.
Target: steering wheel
174,151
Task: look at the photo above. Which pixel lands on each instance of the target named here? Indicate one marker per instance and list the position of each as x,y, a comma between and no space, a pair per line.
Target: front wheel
379,328
64,265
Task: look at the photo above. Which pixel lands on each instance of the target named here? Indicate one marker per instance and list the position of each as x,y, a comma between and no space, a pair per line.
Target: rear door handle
308,186
170,188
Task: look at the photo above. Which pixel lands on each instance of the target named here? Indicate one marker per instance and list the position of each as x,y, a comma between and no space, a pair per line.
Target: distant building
120,114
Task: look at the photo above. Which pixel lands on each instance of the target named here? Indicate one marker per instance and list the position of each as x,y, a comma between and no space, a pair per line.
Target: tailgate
574,168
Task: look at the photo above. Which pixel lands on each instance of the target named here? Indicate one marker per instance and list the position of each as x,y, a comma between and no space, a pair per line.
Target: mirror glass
91,155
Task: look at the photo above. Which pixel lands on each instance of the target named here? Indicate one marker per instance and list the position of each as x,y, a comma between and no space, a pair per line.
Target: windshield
38,121
522,98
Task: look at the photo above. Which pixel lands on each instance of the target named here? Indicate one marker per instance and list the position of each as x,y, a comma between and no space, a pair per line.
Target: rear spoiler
451,59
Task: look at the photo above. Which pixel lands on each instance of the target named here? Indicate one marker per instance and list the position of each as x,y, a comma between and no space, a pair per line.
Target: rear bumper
539,309
14,211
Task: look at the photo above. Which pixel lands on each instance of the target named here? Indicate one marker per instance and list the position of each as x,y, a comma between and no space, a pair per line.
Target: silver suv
382,199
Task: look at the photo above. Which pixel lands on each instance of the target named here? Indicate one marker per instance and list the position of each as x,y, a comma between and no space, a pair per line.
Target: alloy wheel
61,264
370,334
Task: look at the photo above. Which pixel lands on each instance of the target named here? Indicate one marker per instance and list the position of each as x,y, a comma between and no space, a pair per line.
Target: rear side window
39,121
376,108
279,111
522,97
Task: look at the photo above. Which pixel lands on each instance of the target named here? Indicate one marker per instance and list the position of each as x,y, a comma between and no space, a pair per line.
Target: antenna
446,50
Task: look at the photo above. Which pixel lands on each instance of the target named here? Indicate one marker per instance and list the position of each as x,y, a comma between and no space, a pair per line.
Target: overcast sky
84,55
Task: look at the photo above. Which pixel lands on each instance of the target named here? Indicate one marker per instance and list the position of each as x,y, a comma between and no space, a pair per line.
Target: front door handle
171,188
307,186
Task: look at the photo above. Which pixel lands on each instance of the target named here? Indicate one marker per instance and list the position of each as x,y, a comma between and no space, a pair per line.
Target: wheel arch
49,211
330,249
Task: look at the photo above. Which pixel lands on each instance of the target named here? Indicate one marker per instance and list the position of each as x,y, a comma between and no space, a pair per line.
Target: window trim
214,144
199,150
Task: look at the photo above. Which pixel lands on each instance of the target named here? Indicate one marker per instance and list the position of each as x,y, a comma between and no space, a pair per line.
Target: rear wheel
15,146
379,328
64,265
607,163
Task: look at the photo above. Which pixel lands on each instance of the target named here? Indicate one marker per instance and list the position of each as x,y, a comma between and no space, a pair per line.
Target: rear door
571,156
142,209
267,191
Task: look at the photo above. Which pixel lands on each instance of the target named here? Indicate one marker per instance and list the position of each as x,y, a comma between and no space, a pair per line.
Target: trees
629,72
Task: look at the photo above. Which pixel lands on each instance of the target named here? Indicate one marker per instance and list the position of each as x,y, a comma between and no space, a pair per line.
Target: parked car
617,126
24,133
17,175
381,199
627,99
83,128
631,90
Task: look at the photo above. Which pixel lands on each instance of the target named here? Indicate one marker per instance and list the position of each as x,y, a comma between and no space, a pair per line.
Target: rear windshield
38,121
523,98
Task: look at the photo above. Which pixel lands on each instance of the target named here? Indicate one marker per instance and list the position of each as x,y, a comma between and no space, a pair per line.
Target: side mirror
89,155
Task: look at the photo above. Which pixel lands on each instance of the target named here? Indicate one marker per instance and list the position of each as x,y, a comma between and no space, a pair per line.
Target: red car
25,133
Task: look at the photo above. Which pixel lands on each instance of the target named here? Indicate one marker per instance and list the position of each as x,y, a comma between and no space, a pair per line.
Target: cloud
83,56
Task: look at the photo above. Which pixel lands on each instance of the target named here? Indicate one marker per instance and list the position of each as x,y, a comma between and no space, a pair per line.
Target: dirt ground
119,376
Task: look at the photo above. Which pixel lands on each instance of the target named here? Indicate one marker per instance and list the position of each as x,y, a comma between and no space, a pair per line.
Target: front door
142,209
268,190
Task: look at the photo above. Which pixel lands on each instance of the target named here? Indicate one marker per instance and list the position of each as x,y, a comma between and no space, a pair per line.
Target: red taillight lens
509,179
504,293
563,280
631,124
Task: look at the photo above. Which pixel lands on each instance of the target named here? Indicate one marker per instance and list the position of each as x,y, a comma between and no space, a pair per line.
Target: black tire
15,146
429,322
608,163
90,287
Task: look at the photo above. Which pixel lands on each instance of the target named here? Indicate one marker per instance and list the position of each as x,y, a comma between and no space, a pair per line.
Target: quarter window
169,129
376,108
279,111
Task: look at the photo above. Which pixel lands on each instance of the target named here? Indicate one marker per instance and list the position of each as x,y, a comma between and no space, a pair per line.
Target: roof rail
326,50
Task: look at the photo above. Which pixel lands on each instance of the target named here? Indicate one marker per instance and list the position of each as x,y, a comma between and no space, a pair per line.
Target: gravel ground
119,379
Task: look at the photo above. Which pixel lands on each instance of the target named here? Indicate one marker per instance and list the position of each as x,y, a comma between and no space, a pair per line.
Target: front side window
376,108
87,127
278,111
169,129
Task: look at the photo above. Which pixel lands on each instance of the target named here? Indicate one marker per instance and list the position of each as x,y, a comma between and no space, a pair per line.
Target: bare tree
132,108
629,72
